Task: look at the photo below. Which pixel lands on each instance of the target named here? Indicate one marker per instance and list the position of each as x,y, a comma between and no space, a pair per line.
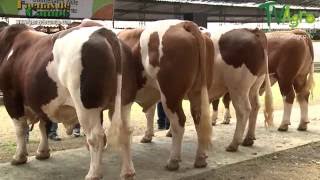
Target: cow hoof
283,127
232,148
94,178
43,155
172,165
169,134
226,121
302,127
248,142
146,139
129,176
16,162
200,162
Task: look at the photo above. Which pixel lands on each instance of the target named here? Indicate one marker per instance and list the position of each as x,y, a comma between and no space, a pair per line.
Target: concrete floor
149,159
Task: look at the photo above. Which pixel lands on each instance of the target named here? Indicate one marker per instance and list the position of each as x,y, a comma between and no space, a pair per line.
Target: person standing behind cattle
163,121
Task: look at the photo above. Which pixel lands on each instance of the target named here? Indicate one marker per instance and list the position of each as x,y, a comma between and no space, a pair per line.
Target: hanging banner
61,9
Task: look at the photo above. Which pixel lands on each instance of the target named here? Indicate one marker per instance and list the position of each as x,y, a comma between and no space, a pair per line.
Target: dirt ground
302,163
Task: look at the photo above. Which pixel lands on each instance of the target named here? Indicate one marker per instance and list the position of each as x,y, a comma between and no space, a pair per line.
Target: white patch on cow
286,113
10,54
66,53
158,26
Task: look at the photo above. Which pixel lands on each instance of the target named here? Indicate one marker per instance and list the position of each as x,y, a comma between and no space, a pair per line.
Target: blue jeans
163,121
52,128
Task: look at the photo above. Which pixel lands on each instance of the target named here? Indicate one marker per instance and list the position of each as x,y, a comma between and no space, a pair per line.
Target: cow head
7,37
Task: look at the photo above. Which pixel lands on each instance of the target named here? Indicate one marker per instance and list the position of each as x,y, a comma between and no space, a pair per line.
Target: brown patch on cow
180,55
153,49
131,37
24,80
290,59
73,24
98,78
7,36
130,69
243,46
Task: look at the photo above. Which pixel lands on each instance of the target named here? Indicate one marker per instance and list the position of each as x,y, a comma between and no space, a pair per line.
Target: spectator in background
163,121
52,128
76,130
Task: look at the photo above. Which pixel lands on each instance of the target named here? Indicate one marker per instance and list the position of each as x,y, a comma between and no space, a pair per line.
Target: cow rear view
73,73
171,59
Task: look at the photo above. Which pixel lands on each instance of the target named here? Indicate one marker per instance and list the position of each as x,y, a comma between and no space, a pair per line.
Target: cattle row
75,74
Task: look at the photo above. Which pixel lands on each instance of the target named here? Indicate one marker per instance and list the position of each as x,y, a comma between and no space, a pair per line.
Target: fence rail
317,67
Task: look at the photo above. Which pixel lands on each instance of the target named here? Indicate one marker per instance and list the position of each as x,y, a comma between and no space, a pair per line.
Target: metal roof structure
240,11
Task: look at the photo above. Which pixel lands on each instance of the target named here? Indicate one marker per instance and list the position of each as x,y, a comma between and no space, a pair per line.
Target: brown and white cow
73,73
171,63
291,64
240,67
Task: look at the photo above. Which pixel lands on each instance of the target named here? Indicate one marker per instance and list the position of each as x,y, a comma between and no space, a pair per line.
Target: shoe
54,137
76,133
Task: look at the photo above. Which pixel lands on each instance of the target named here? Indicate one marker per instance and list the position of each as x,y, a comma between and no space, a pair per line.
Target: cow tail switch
268,101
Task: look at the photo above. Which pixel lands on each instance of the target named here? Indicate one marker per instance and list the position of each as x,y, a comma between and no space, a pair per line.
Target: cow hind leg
177,121
204,139
300,86
14,106
242,107
147,138
288,94
21,127
90,120
127,170
226,101
255,106
215,105
43,151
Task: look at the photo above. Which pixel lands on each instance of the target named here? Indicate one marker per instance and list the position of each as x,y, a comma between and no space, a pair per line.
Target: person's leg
52,131
161,116
167,123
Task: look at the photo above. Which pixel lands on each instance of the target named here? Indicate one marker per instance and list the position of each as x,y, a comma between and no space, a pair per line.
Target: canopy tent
240,11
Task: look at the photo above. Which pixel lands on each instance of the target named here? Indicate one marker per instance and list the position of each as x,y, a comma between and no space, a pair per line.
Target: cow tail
310,80
114,132
205,127
268,101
